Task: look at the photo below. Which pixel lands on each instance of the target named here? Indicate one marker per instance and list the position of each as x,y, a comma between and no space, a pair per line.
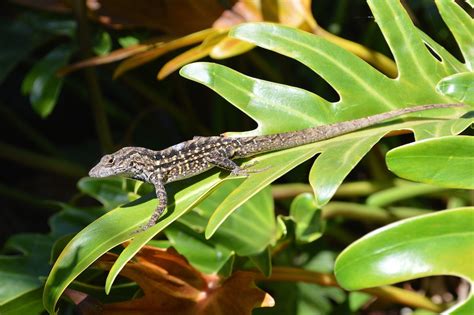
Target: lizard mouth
94,172
99,171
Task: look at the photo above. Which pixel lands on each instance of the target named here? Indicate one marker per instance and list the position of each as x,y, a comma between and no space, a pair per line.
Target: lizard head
128,162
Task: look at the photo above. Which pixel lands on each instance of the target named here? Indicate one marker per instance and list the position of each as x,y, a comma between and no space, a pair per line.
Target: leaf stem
41,162
395,194
26,198
354,189
31,133
388,293
97,103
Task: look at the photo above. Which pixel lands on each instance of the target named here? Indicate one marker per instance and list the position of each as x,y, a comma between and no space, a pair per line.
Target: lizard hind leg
221,160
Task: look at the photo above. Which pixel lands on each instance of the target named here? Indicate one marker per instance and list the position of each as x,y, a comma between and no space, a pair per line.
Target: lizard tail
279,141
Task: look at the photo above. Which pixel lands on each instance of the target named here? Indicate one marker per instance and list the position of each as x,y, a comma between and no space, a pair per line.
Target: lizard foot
245,170
152,221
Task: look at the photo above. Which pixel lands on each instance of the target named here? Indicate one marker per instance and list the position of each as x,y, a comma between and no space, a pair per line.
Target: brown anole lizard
200,154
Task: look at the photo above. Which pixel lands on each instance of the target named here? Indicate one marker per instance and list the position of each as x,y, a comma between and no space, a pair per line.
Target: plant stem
395,194
41,162
388,293
283,191
357,212
31,133
354,189
367,213
97,103
27,198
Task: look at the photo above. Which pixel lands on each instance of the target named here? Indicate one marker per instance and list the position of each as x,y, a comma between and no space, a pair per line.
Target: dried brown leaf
169,16
160,49
171,285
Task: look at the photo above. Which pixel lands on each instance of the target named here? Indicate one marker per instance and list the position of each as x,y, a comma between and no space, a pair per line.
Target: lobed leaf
362,90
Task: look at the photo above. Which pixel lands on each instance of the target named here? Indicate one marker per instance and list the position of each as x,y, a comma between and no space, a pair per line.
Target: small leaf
459,86
446,161
127,41
307,218
435,244
42,83
102,43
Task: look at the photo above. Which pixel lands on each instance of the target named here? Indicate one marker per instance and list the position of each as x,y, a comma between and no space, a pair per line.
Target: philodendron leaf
256,218
22,270
441,243
461,25
29,303
362,89
446,161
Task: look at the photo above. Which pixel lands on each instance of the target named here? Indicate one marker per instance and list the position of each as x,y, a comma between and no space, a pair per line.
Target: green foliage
309,225
445,161
42,84
222,223
435,244
459,86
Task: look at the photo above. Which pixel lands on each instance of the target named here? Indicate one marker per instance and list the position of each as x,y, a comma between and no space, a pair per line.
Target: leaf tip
197,71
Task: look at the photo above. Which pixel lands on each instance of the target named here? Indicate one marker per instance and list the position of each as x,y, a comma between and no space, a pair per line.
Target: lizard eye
110,160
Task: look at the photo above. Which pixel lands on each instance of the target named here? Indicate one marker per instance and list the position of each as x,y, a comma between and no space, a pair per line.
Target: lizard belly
186,170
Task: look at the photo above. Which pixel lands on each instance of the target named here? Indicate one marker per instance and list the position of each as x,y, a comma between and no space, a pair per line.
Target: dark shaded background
135,106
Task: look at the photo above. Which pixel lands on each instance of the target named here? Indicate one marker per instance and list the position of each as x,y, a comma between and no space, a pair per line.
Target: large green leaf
255,217
111,230
29,303
362,90
446,161
22,267
435,244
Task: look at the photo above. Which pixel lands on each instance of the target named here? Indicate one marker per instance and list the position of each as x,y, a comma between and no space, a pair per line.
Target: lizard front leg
162,202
